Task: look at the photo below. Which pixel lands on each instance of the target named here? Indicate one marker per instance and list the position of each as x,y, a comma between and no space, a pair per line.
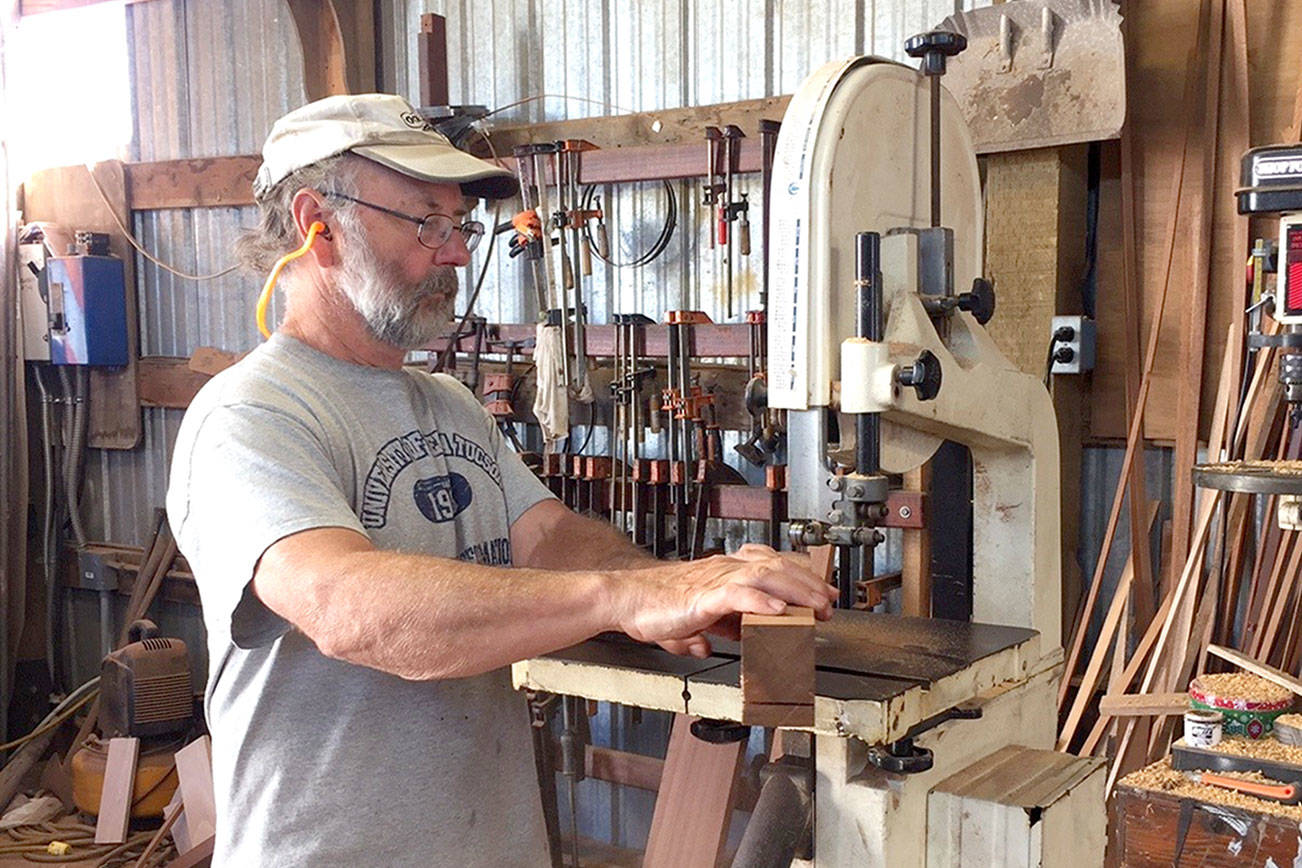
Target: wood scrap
1132,704
194,774
690,824
1194,306
915,560
115,797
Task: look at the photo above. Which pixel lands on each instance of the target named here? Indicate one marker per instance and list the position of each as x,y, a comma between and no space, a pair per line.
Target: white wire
541,96
131,239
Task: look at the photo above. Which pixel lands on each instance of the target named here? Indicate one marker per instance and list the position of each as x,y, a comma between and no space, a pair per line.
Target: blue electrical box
88,310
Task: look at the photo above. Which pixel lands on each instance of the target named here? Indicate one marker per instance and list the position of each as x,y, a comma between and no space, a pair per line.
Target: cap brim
442,165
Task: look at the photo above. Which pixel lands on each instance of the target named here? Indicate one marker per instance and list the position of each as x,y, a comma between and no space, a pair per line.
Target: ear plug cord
317,228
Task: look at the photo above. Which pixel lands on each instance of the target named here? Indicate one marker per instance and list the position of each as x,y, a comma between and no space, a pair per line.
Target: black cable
1061,334
592,421
657,248
1048,359
470,302
1089,281
483,272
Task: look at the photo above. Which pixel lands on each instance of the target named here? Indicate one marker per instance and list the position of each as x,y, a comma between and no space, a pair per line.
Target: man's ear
309,207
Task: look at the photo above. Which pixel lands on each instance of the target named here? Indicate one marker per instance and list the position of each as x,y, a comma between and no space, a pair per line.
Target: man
371,555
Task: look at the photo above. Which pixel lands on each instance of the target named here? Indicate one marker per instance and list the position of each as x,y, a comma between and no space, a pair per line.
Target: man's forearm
563,540
423,617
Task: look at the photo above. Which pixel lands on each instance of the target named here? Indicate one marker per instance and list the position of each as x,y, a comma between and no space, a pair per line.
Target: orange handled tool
1278,792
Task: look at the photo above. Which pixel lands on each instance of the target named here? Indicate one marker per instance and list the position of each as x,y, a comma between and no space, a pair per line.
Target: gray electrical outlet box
95,572
1082,345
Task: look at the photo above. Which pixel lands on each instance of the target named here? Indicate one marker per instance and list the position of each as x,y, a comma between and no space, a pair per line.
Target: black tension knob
923,376
933,48
902,757
719,731
980,302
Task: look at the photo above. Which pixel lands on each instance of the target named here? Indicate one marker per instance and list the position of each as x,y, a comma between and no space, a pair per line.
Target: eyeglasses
435,230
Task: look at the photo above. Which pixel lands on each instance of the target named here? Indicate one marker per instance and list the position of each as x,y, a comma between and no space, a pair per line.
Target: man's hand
677,604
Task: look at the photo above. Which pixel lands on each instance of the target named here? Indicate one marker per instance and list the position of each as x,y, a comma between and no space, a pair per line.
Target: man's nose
453,253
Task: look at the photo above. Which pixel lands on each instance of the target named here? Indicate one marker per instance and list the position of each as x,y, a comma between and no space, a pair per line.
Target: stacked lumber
1227,578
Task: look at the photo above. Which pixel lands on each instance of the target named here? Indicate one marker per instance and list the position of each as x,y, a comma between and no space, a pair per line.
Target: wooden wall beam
1035,226
207,183
338,42
666,127
432,54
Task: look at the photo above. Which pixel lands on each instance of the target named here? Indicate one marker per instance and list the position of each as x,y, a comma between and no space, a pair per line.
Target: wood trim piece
1136,704
1111,626
194,773
115,794
694,805
213,182
1193,330
665,127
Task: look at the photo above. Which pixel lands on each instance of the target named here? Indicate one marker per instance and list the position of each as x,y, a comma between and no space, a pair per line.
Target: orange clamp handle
1275,792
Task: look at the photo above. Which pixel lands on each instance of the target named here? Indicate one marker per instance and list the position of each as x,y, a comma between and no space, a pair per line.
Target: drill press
1271,178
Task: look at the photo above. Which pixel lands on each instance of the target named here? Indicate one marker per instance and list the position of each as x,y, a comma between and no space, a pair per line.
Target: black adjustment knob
980,302
933,48
902,757
719,731
923,376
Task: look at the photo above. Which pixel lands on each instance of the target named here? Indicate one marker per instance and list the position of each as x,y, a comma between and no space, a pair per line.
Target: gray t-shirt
317,761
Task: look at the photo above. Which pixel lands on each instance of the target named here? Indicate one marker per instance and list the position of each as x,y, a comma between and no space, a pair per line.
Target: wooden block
115,797
1138,704
777,668
822,560
777,715
697,790
194,771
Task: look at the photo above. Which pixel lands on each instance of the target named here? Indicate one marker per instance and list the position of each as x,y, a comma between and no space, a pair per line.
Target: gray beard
397,311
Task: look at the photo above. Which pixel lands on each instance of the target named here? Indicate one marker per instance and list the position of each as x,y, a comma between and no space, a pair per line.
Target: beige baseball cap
382,127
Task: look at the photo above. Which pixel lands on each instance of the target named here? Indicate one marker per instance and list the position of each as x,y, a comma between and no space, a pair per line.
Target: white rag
551,400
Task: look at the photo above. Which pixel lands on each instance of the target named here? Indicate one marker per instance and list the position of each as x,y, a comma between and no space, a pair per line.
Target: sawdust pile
1260,748
1241,685
1277,468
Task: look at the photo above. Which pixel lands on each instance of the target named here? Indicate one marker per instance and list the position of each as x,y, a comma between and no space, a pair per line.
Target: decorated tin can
1249,704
